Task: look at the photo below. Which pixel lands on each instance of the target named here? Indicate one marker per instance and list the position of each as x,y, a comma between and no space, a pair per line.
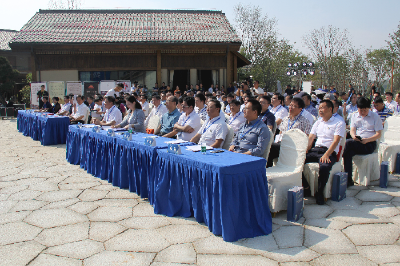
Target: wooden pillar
229,70
159,68
235,68
33,66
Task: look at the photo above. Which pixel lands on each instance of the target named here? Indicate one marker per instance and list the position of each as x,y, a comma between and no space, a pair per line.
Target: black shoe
350,183
307,192
319,197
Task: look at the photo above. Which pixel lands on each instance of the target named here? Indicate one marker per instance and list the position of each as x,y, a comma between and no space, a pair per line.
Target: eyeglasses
185,106
293,106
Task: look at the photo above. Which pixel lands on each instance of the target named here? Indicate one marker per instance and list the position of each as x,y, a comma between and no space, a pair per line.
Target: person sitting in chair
80,111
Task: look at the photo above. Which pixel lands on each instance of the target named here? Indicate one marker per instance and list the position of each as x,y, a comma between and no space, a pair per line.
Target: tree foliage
380,63
8,76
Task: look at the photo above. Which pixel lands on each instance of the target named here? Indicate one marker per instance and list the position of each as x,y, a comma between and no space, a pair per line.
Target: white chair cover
287,172
366,167
154,123
311,173
271,140
228,139
390,142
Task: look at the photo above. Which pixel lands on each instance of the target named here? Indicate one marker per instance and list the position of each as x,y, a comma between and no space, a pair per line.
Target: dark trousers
313,156
355,148
273,153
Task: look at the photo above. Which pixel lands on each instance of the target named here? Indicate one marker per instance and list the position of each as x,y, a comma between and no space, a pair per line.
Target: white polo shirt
145,108
111,93
236,121
202,113
65,107
192,120
392,105
366,126
212,130
81,110
158,111
113,114
279,112
326,131
95,108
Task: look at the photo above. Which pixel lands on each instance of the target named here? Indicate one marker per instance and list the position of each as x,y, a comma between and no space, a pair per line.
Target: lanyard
109,112
201,111
289,127
244,134
263,118
158,108
205,129
277,110
185,120
236,116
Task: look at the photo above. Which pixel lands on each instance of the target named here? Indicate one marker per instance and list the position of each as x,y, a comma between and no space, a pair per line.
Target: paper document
178,141
88,125
115,129
198,148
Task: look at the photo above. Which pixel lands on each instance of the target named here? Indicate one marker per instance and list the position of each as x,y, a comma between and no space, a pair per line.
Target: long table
227,191
48,129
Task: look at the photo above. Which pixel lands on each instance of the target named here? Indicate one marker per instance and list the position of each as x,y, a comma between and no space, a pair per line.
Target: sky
368,22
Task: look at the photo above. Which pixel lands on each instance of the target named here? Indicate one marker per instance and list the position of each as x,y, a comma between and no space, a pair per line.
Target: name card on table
96,129
149,141
339,186
110,133
79,124
127,136
383,180
295,205
174,148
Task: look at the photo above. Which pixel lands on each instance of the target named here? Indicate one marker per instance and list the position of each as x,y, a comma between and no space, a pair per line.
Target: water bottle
203,148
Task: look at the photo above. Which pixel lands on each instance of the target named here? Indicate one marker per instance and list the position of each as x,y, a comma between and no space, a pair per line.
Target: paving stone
121,194
77,250
373,195
59,195
13,216
15,177
357,187
213,260
54,217
105,187
289,236
44,186
395,220
19,253
380,209
4,196
13,189
373,234
351,193
342,259
111,258
356,216
144,209
216,245
60,204
327,223
381,253
280,218
172,220
297,263
327,241
146,222
181,253
5,206
317,211
297,254
92,195
6,184
84,207
118,202
56,179
137,240
79,179
176,234
28,205
30,181
25,195
17,232
257,245
110,214
102,231
78,185
349,203
47,259
63,234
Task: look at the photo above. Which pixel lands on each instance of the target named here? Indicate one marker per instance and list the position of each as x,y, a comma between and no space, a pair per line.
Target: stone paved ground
54,213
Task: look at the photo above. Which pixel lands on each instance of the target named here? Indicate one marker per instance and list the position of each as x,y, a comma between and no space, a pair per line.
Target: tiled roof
5,38
127,26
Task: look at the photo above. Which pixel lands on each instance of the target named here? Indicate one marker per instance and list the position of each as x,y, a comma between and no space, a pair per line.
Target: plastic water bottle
203,148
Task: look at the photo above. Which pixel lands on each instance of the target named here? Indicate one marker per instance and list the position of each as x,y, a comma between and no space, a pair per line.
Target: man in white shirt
145,104
65,107
201,107
113,115
158,109
389,103
328,130
256,89
236,117
115,91
229,99
98,108
351,108
134,87
80,111
277,109
188,123
211,89
214,131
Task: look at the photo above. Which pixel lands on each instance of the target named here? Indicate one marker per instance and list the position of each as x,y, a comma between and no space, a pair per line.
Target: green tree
8,75
380,62
25,92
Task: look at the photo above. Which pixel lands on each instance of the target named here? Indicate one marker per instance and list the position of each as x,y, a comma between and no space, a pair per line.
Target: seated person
56,106
65,107
277,109
158,109
328,130
188,123
145,104
381,109
229,99
201,107
295,119
98,108
80,111
253,137
71,101
46,105
236,117
135,118
214,131
307,101
113,115
368,126
266,116
169,119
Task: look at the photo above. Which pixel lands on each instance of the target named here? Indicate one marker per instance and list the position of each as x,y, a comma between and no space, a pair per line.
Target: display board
35,87
307,86
74,87
106,85
90,88
127,85
56,89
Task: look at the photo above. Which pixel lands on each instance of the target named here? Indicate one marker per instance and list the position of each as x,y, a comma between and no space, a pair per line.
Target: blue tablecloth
49,130
227,191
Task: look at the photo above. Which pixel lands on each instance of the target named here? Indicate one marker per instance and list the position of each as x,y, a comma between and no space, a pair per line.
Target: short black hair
180,100
174,99
80,96
280,97
110,99
156,96
121,85
328,103
56,98
363,102
98,99
235,102
377,92
307,95
90,97
378,100
66,97
42,86
336,103
267,98
46,97
217,103
189,101
231,95
255,106
299,101
201,97
389,93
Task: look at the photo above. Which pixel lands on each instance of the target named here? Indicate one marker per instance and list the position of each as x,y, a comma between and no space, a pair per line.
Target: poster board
74,87
56,89
127,85
35,87
106,85
90,88
307,86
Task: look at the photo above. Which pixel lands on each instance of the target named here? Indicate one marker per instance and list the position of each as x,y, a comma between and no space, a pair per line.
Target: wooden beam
159,67
234,68
229,70
33,66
